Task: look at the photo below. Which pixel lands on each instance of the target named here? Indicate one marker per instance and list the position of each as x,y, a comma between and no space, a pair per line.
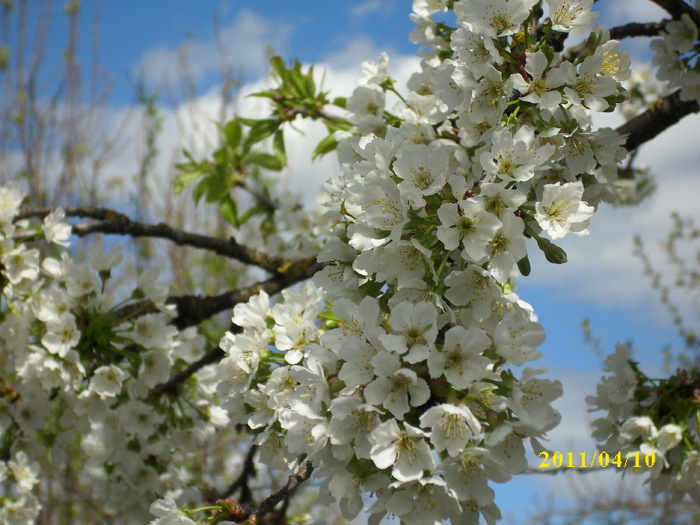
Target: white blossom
562,210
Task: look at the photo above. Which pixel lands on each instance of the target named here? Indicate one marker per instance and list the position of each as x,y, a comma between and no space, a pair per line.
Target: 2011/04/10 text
603,459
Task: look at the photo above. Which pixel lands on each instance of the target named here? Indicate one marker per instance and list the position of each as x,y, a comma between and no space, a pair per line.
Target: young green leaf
229,210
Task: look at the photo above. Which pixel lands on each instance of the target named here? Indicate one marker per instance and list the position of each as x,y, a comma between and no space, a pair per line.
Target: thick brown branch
112,222
634,29
192,310
661,116
676,8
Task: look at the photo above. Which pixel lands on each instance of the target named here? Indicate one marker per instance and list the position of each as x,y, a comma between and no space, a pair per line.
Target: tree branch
172,384
241,482
633,29
241,512
192,310
112,222
661,116
676,8
285,492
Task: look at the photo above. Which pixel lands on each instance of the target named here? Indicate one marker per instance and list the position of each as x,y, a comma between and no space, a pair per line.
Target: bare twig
193,309
241,482
172,384
240,512
285,492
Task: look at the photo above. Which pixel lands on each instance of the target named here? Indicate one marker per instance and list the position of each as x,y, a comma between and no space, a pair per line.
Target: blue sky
139,41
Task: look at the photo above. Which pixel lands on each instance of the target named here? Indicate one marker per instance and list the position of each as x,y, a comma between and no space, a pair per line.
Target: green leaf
548,52
185,179
277,64
309,84
266,94
233,132
338,124
229,210
261,129
200,189
252,212
298,82
524,266
278,146
265,160
341,102
216,189
325,146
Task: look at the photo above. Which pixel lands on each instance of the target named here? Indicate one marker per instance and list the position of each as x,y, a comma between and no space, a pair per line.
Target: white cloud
366,8
383,8
243,43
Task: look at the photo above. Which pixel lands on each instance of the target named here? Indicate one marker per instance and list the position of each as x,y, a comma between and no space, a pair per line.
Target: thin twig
633,29
285,492
241,512
241,482
172,384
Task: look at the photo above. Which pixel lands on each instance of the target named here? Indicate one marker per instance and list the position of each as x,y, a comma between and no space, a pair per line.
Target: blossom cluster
676,55
79,371
651,417
20,505
405,374
408,384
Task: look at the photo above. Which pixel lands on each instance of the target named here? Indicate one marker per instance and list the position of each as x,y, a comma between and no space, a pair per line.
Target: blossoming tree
401,376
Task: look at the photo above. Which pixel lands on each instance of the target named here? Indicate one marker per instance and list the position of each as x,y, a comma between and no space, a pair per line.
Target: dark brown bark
658,118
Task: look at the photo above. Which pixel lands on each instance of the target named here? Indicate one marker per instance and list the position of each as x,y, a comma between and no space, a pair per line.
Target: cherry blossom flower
107,380
10,200
467,223
452,427
513,155
55,229
571,16
395,388
543,87
562,210
461,359
403,449
494,18
423,171
516,338
414,329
